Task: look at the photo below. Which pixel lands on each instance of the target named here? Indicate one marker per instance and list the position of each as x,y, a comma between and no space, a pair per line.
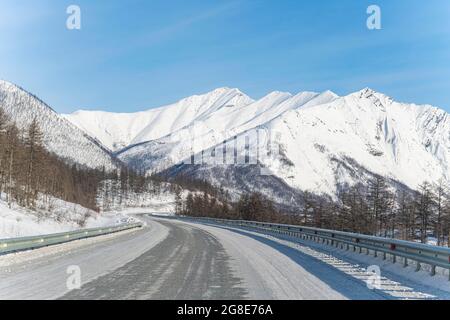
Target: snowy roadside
22,257
20,222
62,216
42,274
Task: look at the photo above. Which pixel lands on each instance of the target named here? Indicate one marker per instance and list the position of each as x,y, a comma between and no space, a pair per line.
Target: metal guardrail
434,256
28,243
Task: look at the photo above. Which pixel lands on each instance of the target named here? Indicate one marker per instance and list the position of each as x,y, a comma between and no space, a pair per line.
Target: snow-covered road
170,259
42,274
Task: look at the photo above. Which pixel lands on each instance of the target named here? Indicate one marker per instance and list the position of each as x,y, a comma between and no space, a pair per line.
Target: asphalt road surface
189,264
169,259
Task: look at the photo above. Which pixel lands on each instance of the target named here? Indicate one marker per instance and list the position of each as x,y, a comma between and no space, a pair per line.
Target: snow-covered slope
58,216
117,131
326,141
215,128
344,141
60,136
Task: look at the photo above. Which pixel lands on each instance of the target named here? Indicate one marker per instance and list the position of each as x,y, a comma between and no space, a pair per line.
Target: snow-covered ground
61,217
161,202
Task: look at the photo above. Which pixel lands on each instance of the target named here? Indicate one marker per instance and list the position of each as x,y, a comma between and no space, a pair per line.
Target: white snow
163,204
154,198
61,216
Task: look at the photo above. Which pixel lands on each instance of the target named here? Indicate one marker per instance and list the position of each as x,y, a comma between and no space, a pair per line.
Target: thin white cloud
168,31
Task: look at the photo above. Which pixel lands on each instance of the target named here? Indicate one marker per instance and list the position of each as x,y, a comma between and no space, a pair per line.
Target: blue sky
132,55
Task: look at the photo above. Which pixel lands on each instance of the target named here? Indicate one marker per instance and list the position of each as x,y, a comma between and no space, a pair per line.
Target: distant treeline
373,209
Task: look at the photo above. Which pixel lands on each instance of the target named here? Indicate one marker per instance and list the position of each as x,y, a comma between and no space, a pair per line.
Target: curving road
188,264
169,259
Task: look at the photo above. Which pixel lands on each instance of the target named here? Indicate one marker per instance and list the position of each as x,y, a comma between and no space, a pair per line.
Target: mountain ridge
406,143
60,136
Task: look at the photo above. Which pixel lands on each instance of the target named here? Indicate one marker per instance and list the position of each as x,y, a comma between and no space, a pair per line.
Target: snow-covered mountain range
323,141
60,136
326,141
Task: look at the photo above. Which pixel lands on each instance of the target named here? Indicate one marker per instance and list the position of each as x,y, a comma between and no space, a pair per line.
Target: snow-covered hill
216,127
364,133
324,141
118,130
60,136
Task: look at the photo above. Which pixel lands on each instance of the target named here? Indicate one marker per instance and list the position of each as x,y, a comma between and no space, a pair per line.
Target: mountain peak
378,99
365,93
369,93
224,90
221,92
330,93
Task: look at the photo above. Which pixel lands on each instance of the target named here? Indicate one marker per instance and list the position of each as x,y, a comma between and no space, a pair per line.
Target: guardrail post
405,262
433,271
418,266
394,258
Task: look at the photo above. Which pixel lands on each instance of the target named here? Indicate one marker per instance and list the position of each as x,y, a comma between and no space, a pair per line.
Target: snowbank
60,216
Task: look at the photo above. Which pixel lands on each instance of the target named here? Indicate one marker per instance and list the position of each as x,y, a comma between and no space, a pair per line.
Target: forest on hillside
31,176
372,209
